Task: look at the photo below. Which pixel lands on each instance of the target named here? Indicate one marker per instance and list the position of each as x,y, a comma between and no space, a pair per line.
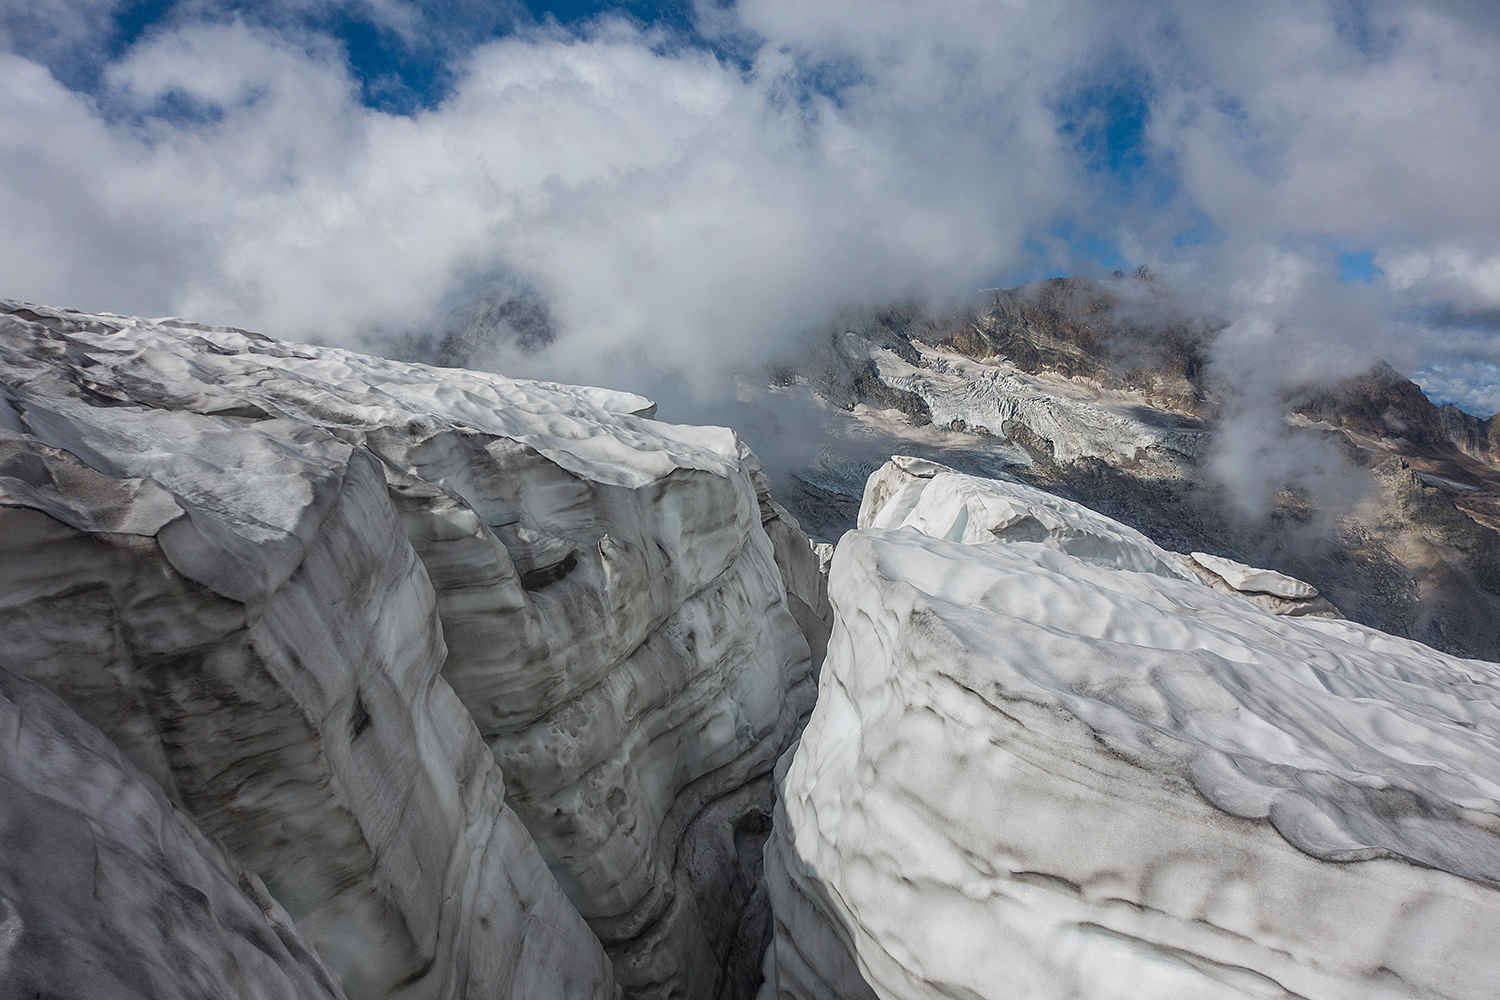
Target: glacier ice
107,890
408,639
1267,589
940,501
1255,581
1047,760
937,501
233,601
1073,419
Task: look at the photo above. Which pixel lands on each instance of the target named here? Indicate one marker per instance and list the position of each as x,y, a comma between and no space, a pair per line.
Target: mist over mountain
1112,394
689,187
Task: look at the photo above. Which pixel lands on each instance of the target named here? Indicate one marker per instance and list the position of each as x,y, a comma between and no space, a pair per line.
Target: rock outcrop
463,667
1047,760
1387,407
1119,333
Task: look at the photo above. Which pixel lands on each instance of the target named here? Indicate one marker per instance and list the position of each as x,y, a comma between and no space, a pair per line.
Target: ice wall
107,890
407,638
1049,761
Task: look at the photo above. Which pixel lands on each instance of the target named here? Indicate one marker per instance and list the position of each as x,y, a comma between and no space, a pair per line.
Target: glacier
1049,760
331,676
1071,418
483,678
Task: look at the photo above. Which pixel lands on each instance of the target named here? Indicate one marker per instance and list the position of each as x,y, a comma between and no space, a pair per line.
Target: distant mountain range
1103,392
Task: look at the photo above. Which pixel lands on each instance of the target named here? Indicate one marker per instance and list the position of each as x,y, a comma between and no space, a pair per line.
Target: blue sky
690,184
396,71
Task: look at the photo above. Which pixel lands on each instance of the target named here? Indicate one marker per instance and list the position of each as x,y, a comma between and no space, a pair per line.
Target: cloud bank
688,195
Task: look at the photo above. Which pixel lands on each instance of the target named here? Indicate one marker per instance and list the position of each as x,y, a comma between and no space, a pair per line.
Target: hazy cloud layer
687,202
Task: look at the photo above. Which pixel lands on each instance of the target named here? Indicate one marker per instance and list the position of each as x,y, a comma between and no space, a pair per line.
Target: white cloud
1469,280
62,32
672,207
684,213
1288,119
1469,384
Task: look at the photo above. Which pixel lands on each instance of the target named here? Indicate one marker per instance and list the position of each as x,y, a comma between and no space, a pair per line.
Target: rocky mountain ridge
1079,388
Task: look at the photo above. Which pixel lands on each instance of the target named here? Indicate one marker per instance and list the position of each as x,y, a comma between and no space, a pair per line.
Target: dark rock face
478,333
1387,410
1386,406
1440,467
869,389
1082,329
1470,434
845,380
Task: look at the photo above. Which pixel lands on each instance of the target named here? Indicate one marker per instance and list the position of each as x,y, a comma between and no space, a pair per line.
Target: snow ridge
1047,760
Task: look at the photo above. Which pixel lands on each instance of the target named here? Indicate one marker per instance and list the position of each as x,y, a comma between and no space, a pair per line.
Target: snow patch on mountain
1075,419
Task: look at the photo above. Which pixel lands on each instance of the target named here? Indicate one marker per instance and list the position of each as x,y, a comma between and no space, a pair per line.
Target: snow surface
936,500
1255,581
326,601
1048,761
1074,420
